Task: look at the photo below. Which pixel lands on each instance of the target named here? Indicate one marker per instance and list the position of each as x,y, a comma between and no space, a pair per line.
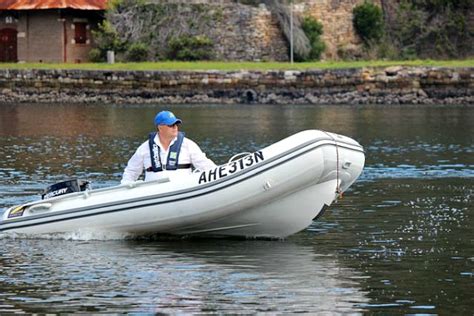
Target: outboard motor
65,187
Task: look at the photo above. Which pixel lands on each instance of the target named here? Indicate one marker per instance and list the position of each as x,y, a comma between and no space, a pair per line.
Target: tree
313,30
368,22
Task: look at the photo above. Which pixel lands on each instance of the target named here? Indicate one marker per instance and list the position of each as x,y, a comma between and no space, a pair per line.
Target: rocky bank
390,85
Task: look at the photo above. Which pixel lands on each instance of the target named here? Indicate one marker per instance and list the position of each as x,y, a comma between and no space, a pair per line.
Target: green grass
229,66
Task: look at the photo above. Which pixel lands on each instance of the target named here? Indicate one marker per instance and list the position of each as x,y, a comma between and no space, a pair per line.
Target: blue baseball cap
166,118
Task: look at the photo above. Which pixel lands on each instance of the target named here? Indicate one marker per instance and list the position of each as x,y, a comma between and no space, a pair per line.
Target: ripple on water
229,276
372,173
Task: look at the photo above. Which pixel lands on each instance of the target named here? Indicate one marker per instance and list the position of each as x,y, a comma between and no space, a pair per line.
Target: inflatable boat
271,193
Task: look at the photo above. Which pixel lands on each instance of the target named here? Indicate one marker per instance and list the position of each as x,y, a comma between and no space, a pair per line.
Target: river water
401,240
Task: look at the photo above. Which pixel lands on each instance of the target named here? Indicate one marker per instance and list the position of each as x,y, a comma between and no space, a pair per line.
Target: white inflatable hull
273,193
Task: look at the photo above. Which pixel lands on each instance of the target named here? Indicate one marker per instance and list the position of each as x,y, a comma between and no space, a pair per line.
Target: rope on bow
338,186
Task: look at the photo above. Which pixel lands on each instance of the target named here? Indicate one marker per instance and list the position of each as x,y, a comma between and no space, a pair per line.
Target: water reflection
190,276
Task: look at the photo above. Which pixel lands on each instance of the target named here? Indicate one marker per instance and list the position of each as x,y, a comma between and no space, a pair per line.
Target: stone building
48,30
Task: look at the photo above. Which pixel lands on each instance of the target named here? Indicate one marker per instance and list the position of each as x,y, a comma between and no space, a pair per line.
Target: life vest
173,155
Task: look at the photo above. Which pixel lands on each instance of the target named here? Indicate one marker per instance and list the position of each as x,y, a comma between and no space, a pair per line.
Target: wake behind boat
272,193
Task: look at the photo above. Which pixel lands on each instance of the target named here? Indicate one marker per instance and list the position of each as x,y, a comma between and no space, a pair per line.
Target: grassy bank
229,66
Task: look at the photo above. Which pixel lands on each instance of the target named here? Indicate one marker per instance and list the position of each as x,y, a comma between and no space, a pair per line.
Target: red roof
53,4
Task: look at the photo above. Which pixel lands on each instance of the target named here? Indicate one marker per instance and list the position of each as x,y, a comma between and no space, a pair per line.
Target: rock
422,93
393,70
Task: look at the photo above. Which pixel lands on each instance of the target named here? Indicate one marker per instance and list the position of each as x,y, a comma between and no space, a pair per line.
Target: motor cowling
65,187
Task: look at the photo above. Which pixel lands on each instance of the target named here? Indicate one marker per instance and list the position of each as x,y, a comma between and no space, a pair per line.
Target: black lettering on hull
222,171
212,174
258,156
202,178
241,163
249,161
231,168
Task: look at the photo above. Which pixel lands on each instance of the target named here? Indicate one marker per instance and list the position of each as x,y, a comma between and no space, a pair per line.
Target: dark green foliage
250,2
412,29
313,30
137,52
441,5
432,28
96,56
105,38
368,22
154,24
190,48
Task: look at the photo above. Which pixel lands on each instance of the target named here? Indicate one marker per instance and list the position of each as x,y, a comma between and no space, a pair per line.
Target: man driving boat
166,153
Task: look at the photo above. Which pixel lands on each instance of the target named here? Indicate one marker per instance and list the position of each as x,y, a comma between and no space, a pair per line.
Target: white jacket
190,154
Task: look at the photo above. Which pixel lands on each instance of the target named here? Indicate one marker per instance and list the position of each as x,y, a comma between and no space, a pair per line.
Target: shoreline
356,86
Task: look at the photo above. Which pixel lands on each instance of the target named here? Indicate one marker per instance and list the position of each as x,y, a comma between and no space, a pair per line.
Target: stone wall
253,33
248,33
243,32
392,85
336,17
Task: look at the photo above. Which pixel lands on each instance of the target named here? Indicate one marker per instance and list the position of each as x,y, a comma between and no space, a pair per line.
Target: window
80,32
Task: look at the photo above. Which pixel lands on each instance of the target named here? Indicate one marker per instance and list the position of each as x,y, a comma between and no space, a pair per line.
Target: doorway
8,45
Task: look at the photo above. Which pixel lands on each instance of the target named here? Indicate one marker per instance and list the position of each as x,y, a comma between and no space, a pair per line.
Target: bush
387,49
437,29
313,30
190,48
368,22
349,52
106,38
96,56
137,52
408,53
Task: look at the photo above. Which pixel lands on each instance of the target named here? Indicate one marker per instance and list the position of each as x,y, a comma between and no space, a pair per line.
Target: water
401,241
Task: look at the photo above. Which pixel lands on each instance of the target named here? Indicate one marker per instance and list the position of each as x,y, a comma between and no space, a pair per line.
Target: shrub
349,52
96,56
106,38
387,49
137,52
431,28
313,30
408,53
368,22
190,48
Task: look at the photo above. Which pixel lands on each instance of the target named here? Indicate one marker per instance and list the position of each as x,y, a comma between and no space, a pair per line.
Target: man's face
168,131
